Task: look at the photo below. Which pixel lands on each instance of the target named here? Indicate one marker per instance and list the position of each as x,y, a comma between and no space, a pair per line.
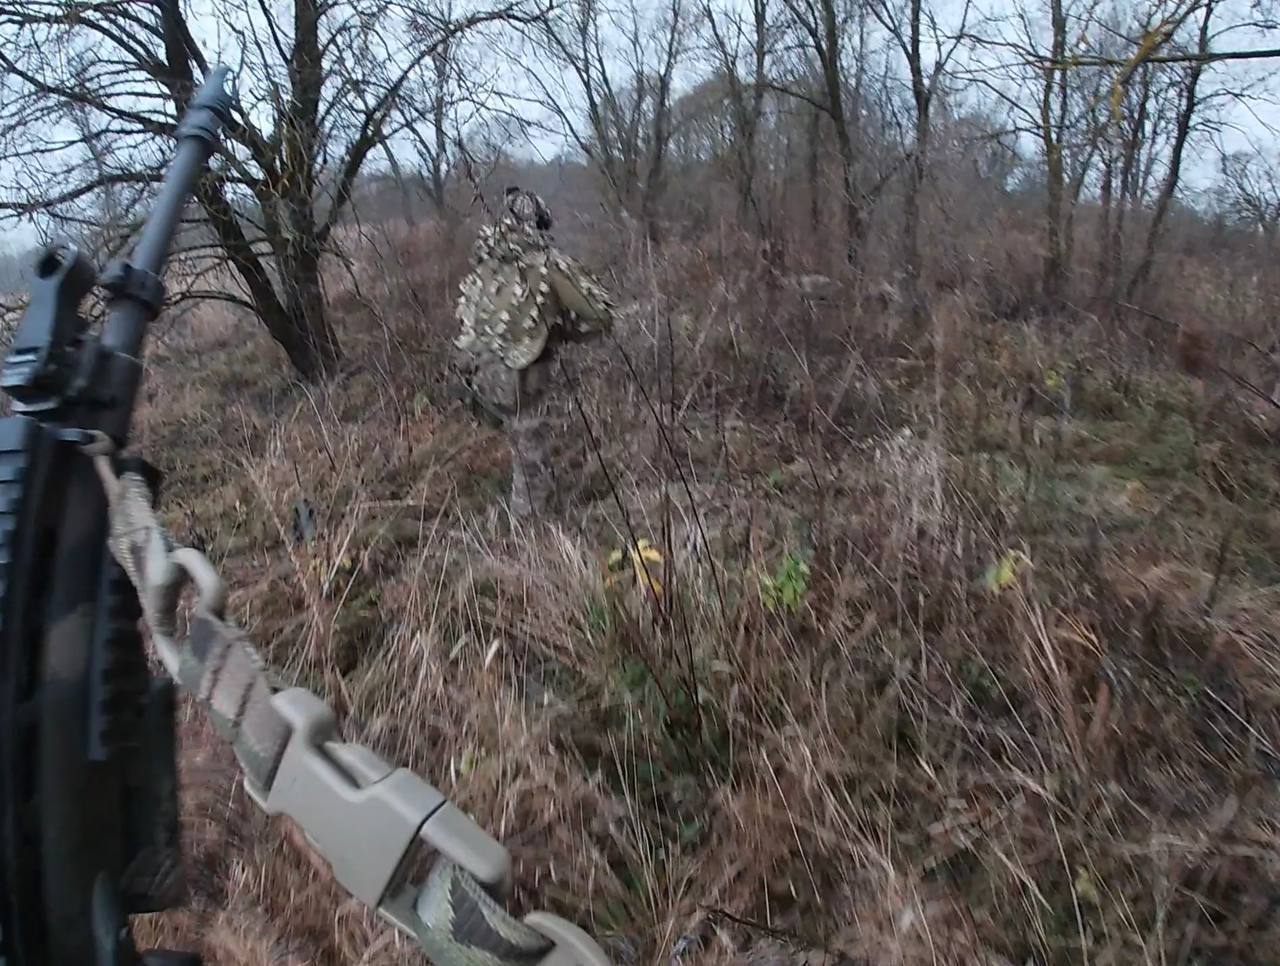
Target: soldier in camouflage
521,301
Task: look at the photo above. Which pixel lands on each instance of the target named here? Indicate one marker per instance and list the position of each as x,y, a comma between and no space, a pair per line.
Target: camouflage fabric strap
218,666
453,916
459,922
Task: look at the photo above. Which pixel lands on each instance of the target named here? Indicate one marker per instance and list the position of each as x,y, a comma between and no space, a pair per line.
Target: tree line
864,123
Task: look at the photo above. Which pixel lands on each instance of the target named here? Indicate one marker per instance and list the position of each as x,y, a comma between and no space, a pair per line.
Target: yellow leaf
647,550
644,558
643,554
467,763
1004,572
1085,888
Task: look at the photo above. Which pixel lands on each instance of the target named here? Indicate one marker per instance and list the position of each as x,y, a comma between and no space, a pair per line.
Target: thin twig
594,443
679,466
1239,380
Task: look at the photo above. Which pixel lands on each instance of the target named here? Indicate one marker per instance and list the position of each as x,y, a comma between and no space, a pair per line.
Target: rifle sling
460,923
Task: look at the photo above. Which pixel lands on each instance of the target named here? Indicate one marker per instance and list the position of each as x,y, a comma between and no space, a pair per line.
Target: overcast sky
1248,124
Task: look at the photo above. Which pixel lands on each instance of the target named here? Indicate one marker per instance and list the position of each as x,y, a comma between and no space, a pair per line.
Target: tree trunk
439,127
1170,185
911,255
854,217
835,94
660,130
1106,201
748,208
1050,134
748,123
299,325
815,139
746,106
309,340
760,54
1053,263
1129,187
649,216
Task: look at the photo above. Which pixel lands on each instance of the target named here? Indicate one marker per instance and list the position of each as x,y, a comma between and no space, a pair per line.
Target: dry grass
927,758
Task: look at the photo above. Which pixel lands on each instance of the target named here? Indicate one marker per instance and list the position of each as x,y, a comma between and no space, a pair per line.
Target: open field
963,655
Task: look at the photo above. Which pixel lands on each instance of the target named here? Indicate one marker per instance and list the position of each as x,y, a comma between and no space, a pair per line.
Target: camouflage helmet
528,209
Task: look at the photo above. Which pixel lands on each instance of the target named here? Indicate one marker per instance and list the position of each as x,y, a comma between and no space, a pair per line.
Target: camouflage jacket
522,292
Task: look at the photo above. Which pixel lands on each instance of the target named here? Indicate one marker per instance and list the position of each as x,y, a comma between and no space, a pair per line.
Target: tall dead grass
948,665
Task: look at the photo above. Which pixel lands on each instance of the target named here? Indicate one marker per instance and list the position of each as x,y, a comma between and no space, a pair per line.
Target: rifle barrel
197,133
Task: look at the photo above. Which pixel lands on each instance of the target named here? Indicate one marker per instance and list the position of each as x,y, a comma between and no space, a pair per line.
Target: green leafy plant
787,586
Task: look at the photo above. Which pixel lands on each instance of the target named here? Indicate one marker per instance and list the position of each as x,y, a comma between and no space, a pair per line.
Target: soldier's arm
587,310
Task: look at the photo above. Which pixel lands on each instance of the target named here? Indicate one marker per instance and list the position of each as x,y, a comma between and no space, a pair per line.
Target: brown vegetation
951,410
935,675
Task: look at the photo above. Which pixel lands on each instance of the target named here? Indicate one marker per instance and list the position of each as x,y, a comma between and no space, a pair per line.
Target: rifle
88,778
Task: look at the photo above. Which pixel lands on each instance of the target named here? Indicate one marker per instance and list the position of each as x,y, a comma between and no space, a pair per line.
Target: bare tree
1015,60
824,29
435,154
615,96
452,101
1251,190
1152,115
906,23
1190,101
320,85
734,39
431,129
